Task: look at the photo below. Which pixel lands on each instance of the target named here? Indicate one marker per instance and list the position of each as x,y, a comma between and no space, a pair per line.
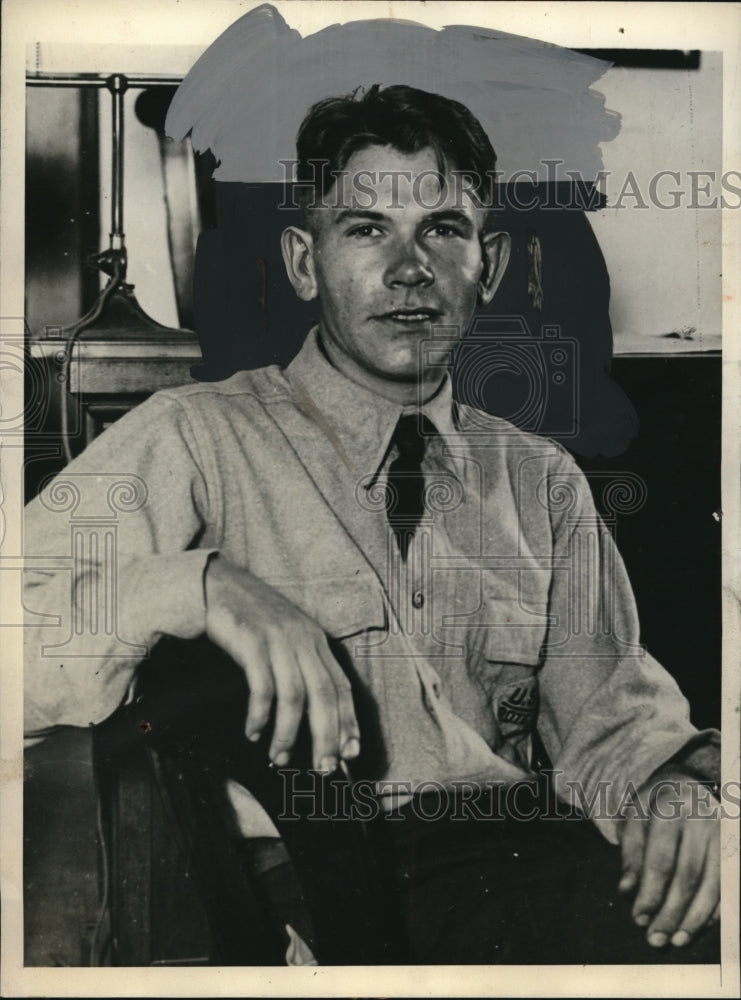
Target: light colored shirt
512,607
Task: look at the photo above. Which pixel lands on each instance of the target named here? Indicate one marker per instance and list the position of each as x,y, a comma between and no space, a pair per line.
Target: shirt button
418,599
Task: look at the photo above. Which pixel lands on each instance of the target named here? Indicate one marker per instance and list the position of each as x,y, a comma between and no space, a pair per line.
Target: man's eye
365,231
442,230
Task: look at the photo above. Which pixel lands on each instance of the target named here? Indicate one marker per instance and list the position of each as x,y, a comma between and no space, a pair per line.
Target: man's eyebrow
366,215
354,214
449,215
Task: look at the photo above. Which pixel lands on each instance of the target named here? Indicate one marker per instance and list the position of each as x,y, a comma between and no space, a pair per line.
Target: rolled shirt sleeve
111,565
610,714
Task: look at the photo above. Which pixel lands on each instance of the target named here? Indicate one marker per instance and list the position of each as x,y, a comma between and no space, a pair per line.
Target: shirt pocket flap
343,606
516,641
515,609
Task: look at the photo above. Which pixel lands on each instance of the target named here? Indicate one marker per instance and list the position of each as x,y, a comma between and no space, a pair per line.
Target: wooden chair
184,728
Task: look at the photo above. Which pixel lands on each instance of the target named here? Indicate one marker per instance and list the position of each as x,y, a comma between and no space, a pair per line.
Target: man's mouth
412,315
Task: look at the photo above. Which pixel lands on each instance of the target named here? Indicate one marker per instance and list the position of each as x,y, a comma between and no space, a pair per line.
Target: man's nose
409,267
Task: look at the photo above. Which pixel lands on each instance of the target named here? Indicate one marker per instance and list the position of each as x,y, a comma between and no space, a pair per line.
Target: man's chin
425,361
412,373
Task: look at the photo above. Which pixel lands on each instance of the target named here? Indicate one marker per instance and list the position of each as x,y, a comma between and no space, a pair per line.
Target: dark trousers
400,889
511,891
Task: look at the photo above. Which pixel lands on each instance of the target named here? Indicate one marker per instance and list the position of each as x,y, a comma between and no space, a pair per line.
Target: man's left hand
672,858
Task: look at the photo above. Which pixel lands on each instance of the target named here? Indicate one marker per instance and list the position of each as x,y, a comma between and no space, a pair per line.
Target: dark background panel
672,545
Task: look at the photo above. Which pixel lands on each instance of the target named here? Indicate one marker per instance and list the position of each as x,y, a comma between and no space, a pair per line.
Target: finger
322,710
349,730
632,846
253,657
705,906
683,886
662,844
290,692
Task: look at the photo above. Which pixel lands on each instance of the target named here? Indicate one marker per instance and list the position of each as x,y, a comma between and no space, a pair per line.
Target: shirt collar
358,422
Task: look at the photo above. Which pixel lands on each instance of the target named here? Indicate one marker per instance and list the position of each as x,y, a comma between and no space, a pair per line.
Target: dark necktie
406,481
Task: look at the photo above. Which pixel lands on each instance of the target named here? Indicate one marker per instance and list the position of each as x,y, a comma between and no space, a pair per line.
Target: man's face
387,274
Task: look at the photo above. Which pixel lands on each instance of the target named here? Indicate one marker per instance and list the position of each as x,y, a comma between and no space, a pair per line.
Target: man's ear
297,246
496,249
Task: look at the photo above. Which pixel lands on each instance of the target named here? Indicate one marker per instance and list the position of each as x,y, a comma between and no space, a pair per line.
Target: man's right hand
285,656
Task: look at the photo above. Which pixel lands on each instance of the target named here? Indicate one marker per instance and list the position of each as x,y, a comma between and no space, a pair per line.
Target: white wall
145,222
664,264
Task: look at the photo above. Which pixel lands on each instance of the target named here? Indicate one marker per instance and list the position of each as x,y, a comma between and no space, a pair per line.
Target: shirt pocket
342,606
507,668
515,699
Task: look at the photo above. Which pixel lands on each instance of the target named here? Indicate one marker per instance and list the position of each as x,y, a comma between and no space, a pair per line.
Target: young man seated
344,525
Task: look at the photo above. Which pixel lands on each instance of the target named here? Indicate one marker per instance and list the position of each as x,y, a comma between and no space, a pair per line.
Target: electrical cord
118,265
95,951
